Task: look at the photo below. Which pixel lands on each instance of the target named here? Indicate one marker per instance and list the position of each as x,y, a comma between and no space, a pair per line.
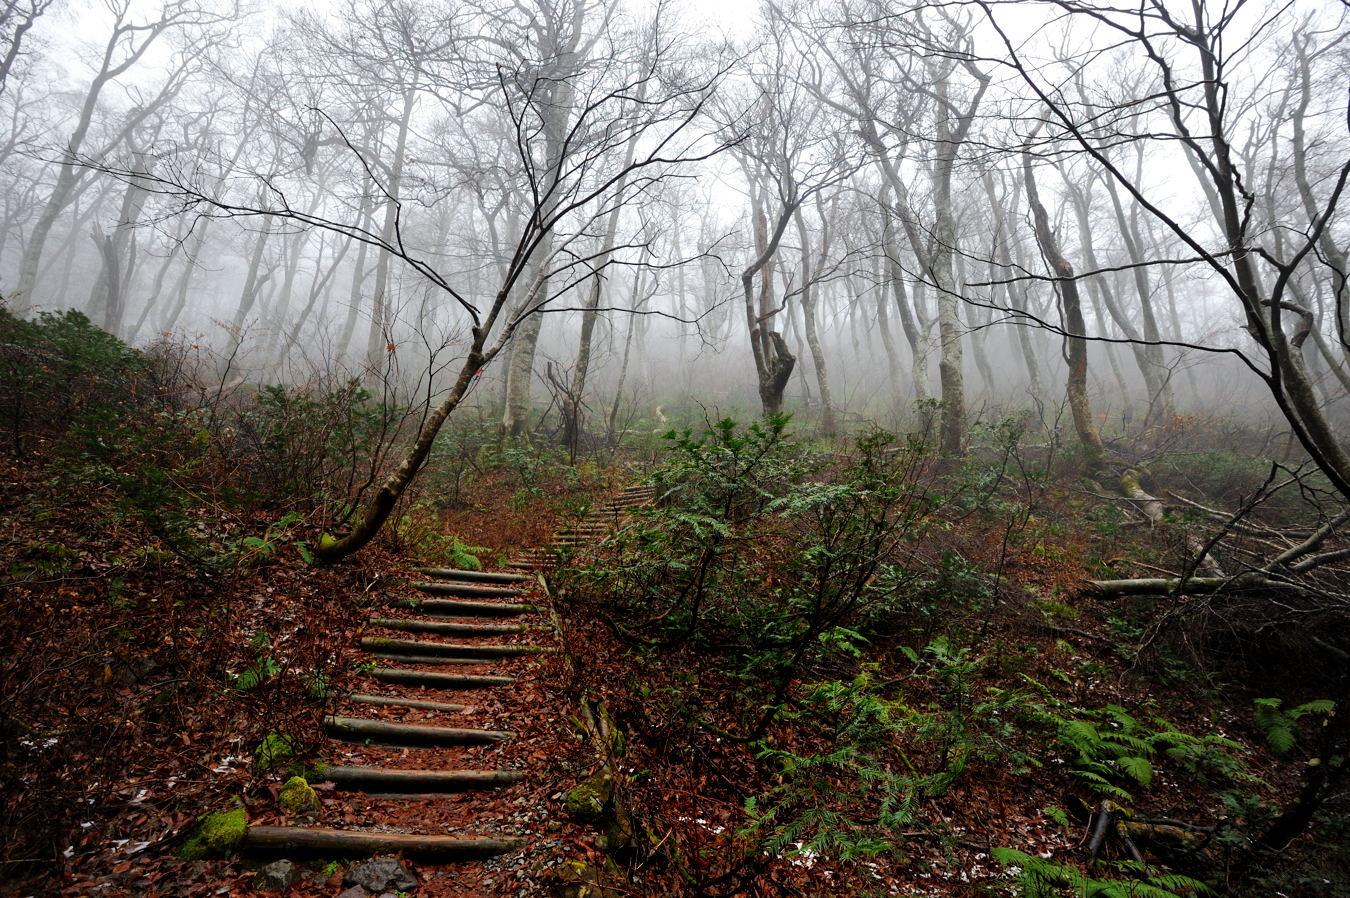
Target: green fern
1280,727
1042,878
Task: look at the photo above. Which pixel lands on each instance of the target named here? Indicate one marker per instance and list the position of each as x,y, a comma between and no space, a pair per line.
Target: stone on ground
380,875
277,876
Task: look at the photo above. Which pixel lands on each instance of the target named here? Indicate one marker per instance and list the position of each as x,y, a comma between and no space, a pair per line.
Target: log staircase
440,660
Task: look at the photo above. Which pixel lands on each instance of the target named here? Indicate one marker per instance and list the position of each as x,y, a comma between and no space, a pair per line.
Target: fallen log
468,590
403,658
298,840
453,608
1163,586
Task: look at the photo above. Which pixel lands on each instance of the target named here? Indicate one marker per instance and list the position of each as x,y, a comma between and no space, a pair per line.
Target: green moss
586,800
297,797
273,751
216,835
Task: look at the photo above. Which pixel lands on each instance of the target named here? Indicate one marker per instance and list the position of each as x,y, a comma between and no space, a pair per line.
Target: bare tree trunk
627,354
381,320
773,360
344,343
116,250
827,422
519,374
918,343
1094,453
253,284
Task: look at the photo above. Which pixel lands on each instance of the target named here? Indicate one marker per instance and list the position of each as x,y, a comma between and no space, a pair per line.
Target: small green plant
318,684
266,547
1280,727
1042,878
263,667
260,671
275,750
1113,751
859,763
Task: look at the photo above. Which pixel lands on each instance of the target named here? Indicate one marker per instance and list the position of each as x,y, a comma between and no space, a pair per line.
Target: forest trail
447,751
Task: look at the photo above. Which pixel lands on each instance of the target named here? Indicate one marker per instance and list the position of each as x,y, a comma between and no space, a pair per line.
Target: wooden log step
447,628
544,563
404,658
399,701
449,573
467,590
358,729
416,782
306,840
438,680
447,650
456,608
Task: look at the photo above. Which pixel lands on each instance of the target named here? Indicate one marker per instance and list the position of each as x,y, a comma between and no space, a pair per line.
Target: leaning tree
573,129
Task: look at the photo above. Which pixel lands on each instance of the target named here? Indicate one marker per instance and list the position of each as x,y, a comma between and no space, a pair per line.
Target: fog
636,207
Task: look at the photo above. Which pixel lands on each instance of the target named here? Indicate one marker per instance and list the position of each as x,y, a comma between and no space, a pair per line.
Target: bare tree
1195,58
128,42
1075,329
564,202
17,18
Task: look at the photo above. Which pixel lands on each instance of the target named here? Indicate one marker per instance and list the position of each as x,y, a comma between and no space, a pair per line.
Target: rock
297,797
277,876
380,875
216,835
582,879
586,800
354,892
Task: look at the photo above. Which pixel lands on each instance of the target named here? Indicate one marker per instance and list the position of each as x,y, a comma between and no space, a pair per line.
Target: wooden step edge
453,608
359,729
466,590
415,782
410,625
305,840
439,680
443,660
449,573
398,701
387,645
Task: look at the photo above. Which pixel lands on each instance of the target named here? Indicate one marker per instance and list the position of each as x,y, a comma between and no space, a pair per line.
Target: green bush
308,444
760,548
58,367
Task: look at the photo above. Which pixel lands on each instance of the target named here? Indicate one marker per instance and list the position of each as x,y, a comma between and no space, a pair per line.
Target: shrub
60,366
759,548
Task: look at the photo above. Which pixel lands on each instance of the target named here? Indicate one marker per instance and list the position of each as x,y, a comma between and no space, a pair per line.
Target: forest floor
129,711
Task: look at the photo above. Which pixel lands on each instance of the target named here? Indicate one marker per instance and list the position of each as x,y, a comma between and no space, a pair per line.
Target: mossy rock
584,879
587,800
216,835
620,830
297,797
274,751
